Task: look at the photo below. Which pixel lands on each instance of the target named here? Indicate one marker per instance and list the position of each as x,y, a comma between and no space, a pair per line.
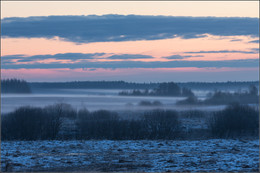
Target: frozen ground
204,155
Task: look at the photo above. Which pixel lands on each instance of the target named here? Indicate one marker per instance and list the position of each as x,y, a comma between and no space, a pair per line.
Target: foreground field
103,155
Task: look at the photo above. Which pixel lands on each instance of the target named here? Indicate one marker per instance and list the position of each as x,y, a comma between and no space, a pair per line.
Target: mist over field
93,99
43,94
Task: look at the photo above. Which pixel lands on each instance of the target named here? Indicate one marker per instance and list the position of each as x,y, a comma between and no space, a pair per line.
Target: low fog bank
250,96
10,102
95,99
170,95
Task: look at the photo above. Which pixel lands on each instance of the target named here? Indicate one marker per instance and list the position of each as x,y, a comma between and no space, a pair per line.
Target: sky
134,41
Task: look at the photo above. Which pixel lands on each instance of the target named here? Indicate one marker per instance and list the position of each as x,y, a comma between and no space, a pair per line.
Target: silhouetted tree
187,92
53,115
161,124
163,89
193,114
168,89
224,98
98,124
253,90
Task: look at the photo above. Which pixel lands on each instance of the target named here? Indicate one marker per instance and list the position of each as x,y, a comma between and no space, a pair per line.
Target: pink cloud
155,48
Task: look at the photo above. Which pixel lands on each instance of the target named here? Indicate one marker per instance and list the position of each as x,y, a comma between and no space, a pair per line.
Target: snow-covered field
203,155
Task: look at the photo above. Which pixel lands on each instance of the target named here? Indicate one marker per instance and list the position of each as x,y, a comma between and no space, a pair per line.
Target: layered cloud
13,59
181,57
84,29
254,41
130,56
78,60
65,56
253,51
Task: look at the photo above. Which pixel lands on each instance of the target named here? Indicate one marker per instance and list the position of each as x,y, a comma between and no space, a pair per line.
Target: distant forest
133,85
93,85
219,98
15,86
164,89
21,86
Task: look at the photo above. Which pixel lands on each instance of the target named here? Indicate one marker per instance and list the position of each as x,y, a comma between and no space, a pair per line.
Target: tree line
32,123
163,89
223,98
14,86
135,85
21,86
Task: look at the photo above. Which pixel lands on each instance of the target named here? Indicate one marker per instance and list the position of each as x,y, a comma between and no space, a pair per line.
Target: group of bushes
235,120
29,123
164,89
193,114
223,98
156,124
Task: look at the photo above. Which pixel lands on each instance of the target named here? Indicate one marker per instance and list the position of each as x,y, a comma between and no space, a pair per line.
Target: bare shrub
24,123
66,110
100,124
157,124
161,124
28,123
192,114
235,120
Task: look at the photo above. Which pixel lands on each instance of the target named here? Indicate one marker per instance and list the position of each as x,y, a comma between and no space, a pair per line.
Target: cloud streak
181,57
136,64
130,56
84,29
254,41
72,57
66,56
254,51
